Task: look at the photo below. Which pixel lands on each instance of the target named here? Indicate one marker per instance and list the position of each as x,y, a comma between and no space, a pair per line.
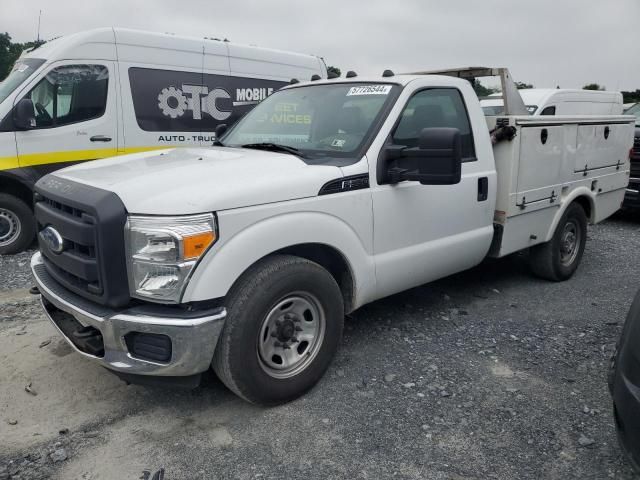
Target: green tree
10,52
333,71
523,86
631,97
593,86
481,90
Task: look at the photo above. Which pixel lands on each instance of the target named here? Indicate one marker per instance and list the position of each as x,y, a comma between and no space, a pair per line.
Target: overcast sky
544,42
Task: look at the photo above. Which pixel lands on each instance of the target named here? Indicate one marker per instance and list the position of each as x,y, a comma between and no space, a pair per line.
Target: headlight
162,251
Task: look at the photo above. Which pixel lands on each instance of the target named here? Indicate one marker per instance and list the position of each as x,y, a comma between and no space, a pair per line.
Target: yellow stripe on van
8,162
33,159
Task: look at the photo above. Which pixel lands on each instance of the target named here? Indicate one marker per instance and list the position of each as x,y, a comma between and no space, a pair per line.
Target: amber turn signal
195,245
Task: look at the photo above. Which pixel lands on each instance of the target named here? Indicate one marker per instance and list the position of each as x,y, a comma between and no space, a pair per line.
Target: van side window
549,111
435,107
70,94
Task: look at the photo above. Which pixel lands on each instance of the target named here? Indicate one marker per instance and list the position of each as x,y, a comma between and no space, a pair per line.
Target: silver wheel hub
570,243
291,335
10,227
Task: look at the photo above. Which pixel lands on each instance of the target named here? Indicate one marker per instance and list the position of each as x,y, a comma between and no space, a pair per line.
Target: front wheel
284,324
17,226
559,258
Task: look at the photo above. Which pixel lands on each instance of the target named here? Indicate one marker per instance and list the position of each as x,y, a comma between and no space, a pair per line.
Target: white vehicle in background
558,101
247,255
113,91
632,199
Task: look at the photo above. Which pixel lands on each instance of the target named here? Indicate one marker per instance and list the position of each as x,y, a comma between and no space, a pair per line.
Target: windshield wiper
276,147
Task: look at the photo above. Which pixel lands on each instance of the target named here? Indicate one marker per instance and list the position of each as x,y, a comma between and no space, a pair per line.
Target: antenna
39,15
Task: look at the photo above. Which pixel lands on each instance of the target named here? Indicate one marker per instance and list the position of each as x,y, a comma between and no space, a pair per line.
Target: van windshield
635,110
22,70
316,120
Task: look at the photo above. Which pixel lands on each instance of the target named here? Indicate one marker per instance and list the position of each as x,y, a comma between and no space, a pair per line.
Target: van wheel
559,258
17,225
284,324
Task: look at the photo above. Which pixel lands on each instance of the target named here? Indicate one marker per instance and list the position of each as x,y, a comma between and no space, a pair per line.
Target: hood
195,180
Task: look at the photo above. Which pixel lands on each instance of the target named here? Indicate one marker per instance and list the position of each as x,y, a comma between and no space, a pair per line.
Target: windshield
22,70
318,120
634,110
490,110
493,110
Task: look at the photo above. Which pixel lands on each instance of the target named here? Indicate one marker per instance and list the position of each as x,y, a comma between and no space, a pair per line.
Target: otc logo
52,239
175,102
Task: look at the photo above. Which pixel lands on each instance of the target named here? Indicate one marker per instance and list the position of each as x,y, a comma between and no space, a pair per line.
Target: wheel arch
583,197
332,260
16,186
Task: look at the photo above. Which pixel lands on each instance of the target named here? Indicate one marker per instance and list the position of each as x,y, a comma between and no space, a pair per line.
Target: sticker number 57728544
370,90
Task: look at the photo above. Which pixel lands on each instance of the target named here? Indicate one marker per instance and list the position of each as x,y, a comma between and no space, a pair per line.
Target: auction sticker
370,90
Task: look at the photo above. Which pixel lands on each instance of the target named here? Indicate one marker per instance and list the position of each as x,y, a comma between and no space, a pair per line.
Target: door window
70,94
435,107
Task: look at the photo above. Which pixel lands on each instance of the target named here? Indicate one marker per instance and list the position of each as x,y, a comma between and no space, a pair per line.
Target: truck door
424,232
76,116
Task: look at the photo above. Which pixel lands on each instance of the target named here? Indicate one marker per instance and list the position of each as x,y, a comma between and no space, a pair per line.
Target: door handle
100,138
483,189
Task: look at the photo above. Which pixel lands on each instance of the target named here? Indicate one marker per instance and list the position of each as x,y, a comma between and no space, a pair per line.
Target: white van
112,91
556,101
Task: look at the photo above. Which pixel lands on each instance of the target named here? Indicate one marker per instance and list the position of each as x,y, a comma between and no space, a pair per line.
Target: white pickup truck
330,194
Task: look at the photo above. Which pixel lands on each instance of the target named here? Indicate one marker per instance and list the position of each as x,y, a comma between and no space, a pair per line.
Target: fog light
149,346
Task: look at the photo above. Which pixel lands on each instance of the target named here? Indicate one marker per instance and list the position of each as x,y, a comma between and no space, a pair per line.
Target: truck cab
245,256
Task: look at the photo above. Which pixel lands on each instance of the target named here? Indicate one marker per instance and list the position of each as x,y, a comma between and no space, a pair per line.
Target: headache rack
513,103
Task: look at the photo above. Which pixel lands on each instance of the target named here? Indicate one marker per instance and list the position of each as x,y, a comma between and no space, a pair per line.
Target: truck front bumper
148,340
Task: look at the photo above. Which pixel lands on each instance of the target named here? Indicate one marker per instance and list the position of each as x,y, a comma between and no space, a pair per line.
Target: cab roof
400,79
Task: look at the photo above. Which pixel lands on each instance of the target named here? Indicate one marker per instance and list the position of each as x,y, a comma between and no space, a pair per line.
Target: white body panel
202,179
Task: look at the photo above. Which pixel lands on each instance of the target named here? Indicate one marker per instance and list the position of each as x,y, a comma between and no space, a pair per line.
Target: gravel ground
14,271
489,374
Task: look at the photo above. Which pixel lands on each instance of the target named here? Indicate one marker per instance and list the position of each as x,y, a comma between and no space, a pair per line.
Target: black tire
17,225
613,366
549,260
632,319
238,360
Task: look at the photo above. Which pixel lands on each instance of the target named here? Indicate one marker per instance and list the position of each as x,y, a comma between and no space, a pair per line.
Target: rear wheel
284,323
559,258
17,226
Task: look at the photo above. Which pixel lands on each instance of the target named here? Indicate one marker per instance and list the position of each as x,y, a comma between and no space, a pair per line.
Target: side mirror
23,116
220,130
437,160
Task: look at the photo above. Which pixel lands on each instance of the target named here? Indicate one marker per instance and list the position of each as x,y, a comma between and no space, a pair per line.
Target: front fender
226,262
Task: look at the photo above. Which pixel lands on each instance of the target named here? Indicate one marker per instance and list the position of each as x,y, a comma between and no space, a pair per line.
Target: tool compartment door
600,146
542,155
